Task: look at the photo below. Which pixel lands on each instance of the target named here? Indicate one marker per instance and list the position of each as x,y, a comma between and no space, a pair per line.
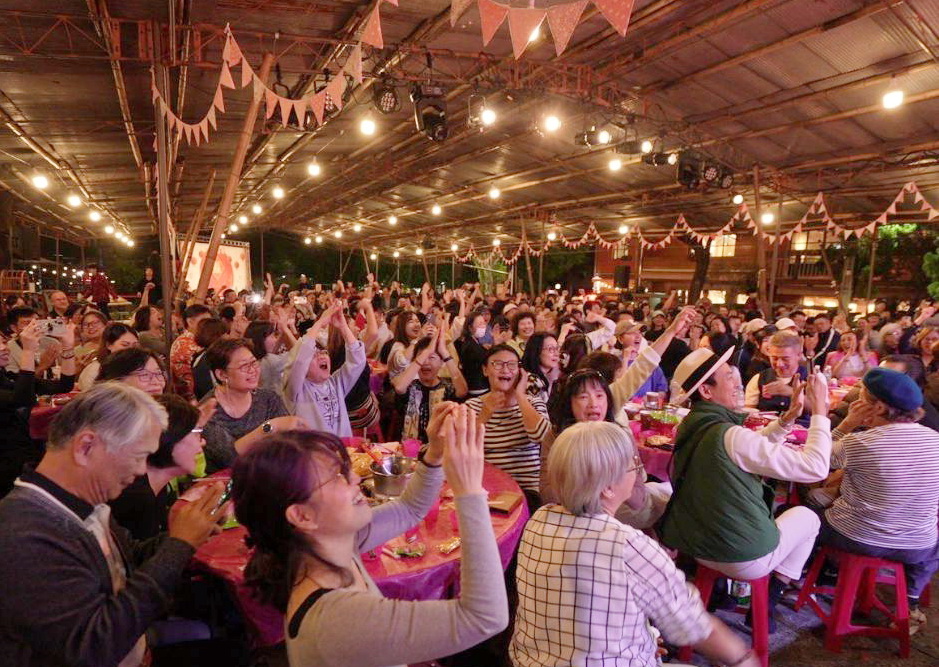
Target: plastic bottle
740,591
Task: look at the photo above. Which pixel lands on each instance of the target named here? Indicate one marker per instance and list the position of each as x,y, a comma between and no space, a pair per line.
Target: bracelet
420,457
746,656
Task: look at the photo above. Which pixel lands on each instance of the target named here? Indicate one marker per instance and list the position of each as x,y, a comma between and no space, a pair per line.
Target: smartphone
52,327
226,494
299,300
432,319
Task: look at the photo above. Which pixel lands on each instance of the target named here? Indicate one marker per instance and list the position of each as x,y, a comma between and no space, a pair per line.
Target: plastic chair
858,577
759,605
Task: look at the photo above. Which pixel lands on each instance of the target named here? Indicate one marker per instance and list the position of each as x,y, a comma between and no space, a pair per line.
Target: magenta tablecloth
656,461
435,576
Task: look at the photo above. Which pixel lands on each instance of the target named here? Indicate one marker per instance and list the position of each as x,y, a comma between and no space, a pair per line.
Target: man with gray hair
76,589
771,390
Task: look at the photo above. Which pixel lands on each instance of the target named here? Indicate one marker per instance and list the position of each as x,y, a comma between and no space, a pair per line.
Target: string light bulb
373,256
94,216
242,219
319,239
40,181
496,242
604,136
357,227
487,116
308,240
392,220
119,236
278,192
367,126
673,158
646,146
233,228
130,243
74,200
109,229
738,199
623,230
893,98
767,218
615,164
436,210
256,209
552,123
314,169
396,254
338,233
419,251
552,236
494,192
454,247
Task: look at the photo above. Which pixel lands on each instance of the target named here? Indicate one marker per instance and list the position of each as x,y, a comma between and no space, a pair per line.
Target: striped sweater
890,492
510,446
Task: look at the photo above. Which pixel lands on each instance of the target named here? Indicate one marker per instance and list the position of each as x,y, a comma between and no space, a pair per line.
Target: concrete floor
798,641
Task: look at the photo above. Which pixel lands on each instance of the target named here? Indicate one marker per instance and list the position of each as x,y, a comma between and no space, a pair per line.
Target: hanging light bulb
109,229
224,235
487,116
673,158
604,136
314,168
130,243
893,98
392,220
494,192
233,228
357,227
454,247
319,239
40,181
373,256
436,210
738,199
767,218
615,164
552,236
419,251
74,200
367,126
256,209
396,254
94,216
646,146
552,123
119,236
496,242
623,229
308,240
278,192
242,219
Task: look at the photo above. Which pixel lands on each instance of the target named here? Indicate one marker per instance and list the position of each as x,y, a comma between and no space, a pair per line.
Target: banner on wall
232,266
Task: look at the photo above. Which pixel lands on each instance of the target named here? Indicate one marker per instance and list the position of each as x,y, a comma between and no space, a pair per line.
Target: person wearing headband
721,510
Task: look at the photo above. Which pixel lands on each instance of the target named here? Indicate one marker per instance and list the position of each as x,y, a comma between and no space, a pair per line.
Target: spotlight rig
593,137
385,97
696,169
430,111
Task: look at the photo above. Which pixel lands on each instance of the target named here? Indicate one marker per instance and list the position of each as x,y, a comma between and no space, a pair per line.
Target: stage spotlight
430,111
552,123
646,146
385,97
593,137
689,170
711,173
656,159
256,209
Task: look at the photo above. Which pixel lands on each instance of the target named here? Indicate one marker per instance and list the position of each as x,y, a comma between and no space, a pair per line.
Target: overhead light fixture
593,137
119,236
623,229
430,111
224,235
314,169
894,97
256,209
278,192
94,216
552,123
357,227
392,220
615,164
338,233
673,158
454,247
496,242
396,254
233,228
419,251
74,200
646,146
385,97
373,256
109,229
40,181
552,236
688,173
738,199
308,240
436,210
243,219
488,116
130,243
319,239
767,218
367,126
657,159
494,192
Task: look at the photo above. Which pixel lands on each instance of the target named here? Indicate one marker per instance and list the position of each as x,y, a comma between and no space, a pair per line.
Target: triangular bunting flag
235,55
522,22
219,102
354,64
171,121
892,209
187,131
224,78
933,213
299,110
258,87
491,16
617,12
336,88
457,7
246,73
909,187
318,103
917,196
372,33
285,107
226,50
881,219
210,116
154,93
270,102
563,19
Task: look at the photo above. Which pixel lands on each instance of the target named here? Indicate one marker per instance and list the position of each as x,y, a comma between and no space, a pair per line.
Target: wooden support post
773,269
760,246
531,279
365,259
234,178
58,264
541,260
193,233
873,263
163,209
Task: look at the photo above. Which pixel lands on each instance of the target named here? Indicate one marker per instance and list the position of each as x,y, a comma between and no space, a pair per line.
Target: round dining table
433,576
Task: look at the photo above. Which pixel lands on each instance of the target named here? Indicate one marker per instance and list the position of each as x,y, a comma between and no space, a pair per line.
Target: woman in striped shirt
516,424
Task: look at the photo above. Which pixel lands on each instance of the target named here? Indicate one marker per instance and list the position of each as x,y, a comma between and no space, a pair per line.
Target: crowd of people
95,545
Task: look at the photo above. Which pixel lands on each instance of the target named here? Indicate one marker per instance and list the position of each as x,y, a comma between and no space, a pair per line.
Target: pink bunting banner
522,23
617,12
491,16
457,7
562,20
225,79
318,105
372,33
354,64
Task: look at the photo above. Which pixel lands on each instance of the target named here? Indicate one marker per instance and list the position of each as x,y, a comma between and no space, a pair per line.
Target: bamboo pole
873,262
531,278
774,266
193,232
760,246
163,213
234,178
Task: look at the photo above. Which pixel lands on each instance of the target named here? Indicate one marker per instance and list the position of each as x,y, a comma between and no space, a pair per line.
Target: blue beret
893,388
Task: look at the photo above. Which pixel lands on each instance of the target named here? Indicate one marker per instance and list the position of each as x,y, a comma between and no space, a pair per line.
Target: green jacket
718,512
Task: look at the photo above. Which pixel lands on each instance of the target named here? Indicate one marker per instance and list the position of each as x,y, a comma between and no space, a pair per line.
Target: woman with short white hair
588,585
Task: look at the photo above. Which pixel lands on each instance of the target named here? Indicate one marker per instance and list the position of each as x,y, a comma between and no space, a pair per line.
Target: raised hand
436,434
817,393
463,456
796,403
195,522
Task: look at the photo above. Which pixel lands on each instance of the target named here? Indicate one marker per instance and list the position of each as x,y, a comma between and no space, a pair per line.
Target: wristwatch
267,427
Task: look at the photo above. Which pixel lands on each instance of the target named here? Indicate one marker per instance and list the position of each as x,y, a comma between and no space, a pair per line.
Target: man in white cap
787,324
721,510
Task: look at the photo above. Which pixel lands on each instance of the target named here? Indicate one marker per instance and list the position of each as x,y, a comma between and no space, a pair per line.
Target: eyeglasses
551,348
92,324
149,376
637,465
248,366
197,430
504,365
342,473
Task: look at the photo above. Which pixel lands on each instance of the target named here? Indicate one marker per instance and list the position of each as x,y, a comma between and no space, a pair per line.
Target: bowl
392,474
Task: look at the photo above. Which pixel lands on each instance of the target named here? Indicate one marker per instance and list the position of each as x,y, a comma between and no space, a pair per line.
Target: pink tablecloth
656,461
432,577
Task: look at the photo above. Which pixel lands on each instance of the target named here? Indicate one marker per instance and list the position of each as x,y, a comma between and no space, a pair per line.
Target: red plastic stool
759,604
858,577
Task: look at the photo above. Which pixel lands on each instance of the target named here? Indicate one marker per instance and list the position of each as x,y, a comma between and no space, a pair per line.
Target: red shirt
100,288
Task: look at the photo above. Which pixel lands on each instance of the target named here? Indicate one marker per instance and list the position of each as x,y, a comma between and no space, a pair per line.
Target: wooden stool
858,577
759,606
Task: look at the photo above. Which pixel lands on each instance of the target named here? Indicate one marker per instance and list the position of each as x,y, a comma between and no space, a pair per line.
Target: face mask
480,332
